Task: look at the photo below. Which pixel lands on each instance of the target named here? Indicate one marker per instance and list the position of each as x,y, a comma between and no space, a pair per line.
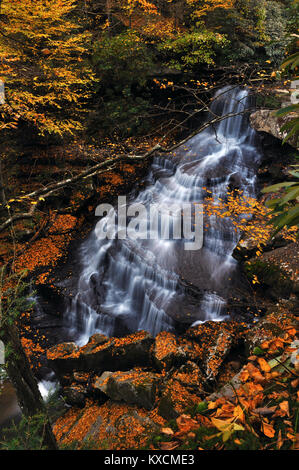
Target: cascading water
129,285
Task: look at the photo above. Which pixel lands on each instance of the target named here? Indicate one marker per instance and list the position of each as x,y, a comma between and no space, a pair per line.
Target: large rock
210,343
63,358
100,383
267,329
101,354
167,352
113,425
134,387
218,352
191,377
228,390
265,120
182,390
75,395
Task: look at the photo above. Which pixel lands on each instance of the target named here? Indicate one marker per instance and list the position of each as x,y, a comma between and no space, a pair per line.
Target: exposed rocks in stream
138,369
131,385
105,381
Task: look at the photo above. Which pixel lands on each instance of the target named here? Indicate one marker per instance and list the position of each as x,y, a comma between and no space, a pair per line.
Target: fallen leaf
264,364
291,331
252,358
279,440
226,427
267,429
169,445
167,431
239,414
284,406
221,424
295,383
212,405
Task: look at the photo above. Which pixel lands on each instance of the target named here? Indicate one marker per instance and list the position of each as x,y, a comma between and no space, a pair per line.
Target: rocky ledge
265,120
168,374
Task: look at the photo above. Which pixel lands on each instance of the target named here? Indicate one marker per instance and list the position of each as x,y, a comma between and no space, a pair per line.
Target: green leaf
277,187
292,132
257,351
273,203
294,173
201,407
292,61
288,125
289,219
290,195
287,110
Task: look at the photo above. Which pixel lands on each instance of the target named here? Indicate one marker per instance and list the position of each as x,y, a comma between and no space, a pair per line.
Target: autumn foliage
43,54
261,412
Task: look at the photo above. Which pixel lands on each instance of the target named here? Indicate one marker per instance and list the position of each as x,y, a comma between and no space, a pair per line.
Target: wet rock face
114,425
63,358
210,343
169,374
207,344
217,354
75,395
100,382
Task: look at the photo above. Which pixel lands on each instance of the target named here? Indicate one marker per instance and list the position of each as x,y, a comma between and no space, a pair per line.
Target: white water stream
129,285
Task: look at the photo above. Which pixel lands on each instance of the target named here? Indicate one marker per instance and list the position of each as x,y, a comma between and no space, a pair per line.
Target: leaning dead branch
107,165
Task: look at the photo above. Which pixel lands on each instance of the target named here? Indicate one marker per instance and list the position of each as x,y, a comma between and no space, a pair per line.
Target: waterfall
127,285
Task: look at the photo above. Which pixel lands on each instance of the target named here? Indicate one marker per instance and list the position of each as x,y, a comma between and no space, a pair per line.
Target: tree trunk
22,378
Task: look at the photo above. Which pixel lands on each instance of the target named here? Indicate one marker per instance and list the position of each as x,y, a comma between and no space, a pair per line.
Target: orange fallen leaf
295,383
267,429
291,331
167,431
212,405
252,358
279,440
284,406
239,414
264,365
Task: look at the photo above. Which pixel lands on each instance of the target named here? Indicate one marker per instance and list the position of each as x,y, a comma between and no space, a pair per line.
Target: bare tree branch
107,165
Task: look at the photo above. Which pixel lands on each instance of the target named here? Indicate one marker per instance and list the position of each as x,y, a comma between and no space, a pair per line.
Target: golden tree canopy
44,67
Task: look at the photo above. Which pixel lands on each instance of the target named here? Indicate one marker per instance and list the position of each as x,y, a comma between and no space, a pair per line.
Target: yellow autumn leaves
42,51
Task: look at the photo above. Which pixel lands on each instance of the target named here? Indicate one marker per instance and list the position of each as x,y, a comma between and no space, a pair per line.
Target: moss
270,276
248,441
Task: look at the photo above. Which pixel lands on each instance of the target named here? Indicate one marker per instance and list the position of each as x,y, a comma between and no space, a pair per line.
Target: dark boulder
209,344
134,387
182,390
167,352
101,354
75,395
